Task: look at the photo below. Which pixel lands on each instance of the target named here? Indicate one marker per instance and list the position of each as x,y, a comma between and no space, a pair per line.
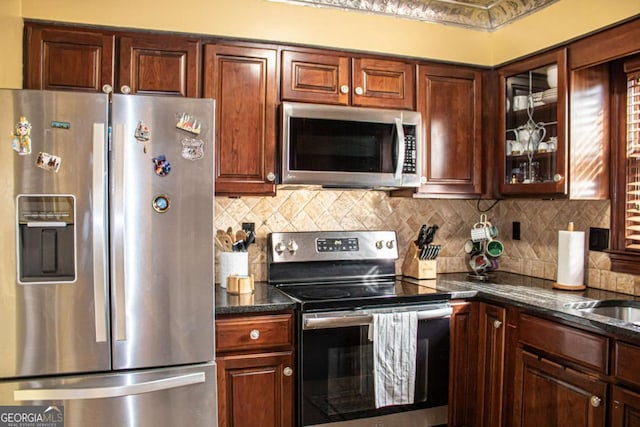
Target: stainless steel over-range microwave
336,146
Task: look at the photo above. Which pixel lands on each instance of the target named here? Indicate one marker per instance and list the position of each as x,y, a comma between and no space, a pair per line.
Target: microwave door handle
401,147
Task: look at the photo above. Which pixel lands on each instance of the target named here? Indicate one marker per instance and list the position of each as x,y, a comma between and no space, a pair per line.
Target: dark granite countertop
533,294
264,298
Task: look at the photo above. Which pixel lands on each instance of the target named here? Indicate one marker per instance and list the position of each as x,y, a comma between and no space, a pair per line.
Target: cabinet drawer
254,332
625,364
571,344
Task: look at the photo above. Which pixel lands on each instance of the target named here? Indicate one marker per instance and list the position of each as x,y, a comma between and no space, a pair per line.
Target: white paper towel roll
232,263
571,258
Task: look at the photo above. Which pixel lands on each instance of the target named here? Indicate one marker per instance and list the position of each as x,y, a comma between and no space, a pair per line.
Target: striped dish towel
394,337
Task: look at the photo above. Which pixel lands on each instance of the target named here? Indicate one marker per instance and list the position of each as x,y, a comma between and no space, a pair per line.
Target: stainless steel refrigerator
106,260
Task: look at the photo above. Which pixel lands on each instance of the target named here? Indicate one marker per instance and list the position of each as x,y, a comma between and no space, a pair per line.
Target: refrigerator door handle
118,248
99,232
108,392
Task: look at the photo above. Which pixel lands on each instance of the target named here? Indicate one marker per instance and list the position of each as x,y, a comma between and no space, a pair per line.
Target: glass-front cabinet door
532,142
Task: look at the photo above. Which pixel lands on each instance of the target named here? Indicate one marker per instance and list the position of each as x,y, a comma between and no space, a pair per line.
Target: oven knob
379,244
292,246
390,244
279,248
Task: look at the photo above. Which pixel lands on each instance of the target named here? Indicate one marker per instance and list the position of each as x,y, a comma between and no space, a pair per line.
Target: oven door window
346,146
337,373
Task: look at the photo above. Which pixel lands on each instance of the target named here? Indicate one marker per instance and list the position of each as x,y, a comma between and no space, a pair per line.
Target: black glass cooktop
334,295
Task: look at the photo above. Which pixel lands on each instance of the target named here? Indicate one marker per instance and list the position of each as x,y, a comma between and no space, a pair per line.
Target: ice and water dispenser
46,239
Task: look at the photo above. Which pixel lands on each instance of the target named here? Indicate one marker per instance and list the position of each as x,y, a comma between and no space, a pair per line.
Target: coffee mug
479,263
494,248
472,247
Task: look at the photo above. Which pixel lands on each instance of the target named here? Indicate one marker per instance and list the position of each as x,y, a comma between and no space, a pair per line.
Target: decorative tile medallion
483,15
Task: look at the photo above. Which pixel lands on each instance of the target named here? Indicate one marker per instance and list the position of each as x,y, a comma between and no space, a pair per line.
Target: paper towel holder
564,286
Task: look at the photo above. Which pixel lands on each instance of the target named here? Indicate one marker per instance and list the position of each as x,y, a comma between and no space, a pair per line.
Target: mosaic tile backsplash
309,208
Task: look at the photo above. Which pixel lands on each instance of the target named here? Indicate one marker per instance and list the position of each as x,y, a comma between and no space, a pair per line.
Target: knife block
416,268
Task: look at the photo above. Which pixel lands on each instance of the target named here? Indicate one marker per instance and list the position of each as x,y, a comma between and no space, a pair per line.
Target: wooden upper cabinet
309,77
242,80
341,80
159,65
67,59
450,100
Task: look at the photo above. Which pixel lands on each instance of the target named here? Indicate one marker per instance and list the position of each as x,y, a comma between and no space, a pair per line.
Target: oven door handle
366,319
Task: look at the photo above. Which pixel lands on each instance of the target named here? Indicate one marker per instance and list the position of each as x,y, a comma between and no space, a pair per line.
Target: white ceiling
483,15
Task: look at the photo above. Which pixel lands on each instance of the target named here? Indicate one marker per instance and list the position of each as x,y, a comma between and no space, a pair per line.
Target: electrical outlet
598,239
515,230
249,226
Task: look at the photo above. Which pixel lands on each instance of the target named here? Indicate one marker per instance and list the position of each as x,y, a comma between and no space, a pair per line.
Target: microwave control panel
410,152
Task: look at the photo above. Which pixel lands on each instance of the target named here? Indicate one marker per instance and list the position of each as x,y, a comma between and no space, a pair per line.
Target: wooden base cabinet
463,364
491,364
549,394
255,390
256,377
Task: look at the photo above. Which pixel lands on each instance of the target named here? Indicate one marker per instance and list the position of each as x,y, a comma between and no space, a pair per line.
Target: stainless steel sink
627,311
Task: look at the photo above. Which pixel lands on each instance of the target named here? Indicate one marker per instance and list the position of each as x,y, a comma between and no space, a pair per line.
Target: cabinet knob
595,401
344,89
497,324
271,177
557,177
125,89
359,91
287,371
107,88
254,334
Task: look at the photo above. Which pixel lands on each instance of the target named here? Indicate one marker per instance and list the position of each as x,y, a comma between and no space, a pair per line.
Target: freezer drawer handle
106,392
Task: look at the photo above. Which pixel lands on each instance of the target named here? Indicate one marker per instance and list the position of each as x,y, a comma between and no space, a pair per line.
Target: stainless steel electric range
340,280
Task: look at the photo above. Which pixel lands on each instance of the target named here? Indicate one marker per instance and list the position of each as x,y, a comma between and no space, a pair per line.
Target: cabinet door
491,356
532,148
159,65
464,364
242,80
255,390
549,394
309,77
383,83
450,100
625,409
67,59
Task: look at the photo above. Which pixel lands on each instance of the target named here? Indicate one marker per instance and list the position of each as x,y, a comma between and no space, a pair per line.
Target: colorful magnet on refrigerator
192,149
161,165
161,203
142,132
22,137
189,123
60,125
48,162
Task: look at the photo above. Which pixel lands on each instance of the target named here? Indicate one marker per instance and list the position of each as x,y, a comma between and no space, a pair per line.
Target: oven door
337,376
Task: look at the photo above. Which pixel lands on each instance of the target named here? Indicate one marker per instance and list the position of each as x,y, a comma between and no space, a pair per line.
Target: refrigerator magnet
142,134
192,149
189,123
22,137
161,203
48,162
162,167
60,125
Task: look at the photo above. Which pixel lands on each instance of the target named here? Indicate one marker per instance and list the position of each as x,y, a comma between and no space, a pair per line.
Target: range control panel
307,246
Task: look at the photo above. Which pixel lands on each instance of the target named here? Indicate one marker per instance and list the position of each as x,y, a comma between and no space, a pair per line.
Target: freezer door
53,188
162,279
171,397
